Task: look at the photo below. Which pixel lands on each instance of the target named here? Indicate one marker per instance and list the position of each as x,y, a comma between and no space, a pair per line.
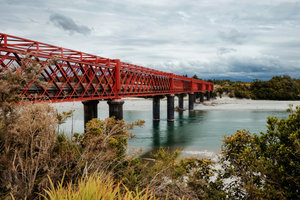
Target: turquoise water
191,131
197,130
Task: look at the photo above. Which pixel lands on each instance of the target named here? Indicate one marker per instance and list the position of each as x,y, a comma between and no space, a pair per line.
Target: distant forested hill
277,88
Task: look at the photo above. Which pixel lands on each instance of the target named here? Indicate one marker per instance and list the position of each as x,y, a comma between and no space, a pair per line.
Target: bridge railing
73,75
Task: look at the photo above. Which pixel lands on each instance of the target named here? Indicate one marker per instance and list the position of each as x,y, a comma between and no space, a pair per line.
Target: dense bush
167,176
163,178
277,88
32,151
265,166
26,155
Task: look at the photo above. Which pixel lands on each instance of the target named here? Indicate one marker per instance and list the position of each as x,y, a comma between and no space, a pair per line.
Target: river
197,133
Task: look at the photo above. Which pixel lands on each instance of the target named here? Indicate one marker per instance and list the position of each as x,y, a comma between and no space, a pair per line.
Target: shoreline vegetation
38,162
277,88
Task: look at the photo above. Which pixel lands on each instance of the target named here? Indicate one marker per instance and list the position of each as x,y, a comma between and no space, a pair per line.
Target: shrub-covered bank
277,88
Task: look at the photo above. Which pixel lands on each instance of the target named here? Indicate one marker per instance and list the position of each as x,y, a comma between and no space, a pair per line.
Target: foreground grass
94,188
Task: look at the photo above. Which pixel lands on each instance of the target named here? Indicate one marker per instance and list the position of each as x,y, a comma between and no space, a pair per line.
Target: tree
195,76
265,166
277,88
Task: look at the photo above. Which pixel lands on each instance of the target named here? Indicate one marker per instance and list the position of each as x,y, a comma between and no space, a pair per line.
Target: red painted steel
78,76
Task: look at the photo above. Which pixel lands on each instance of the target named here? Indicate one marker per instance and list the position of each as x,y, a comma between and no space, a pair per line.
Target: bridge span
68,75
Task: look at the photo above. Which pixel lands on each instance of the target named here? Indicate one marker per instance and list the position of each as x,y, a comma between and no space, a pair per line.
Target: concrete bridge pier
208,96
191,101
180,101
156,108
116,108
201,97
170,107
90,109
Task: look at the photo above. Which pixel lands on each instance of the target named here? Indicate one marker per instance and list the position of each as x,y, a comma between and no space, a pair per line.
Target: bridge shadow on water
178,134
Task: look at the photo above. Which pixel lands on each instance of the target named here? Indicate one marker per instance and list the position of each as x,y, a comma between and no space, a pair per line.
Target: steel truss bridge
69,75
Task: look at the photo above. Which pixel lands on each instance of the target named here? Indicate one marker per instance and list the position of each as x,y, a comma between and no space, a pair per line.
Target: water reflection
180,118
155,133
175,135
171,133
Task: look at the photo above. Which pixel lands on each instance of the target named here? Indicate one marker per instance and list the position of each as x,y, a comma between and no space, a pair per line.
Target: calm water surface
192,130
197,130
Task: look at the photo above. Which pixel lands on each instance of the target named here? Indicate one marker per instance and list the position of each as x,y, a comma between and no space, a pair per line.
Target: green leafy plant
265,166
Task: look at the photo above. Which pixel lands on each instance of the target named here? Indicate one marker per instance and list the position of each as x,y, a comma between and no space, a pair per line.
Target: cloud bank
226,39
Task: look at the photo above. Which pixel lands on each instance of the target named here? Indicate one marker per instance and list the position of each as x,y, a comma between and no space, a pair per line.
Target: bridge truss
69,75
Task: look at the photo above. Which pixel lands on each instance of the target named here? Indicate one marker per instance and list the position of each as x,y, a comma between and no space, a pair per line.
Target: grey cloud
224,50
287,11
236,68
68,24
254,65
293,43
262,66
143,42
269,13
233,36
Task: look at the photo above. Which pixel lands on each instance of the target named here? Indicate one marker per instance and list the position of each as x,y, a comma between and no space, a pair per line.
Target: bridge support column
208,96
191,101
116,108
180,101
156,108
170,107
201,97
90,109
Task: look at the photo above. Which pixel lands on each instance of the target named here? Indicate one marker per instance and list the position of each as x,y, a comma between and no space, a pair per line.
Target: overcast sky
241,39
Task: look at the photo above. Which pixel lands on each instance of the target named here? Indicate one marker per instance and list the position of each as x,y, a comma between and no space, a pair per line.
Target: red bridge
69,75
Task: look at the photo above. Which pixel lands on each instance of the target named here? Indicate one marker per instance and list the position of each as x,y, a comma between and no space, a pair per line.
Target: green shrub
265,166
